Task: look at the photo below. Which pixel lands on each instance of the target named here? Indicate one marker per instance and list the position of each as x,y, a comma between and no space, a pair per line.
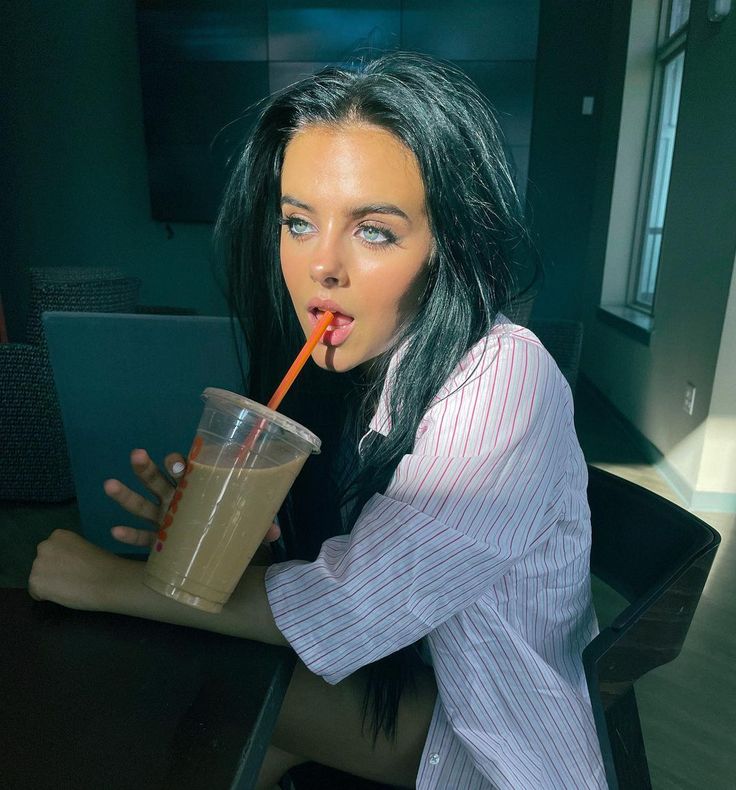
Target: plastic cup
243,461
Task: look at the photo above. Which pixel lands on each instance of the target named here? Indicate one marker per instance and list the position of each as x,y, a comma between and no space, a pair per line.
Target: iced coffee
242,464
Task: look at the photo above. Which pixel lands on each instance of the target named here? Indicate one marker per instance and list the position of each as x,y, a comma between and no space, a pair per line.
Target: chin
333,360
338,359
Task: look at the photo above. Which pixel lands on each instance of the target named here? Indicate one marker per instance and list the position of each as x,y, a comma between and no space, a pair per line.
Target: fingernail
177,468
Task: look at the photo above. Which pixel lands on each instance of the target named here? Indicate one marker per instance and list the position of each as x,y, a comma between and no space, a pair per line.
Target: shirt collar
381,420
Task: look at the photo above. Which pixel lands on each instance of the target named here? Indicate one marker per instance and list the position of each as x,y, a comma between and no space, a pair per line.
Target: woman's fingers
274,533
134,537
150,475
129,500
176,465
155,481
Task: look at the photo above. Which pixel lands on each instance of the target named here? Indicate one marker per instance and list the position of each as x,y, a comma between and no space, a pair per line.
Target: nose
327,267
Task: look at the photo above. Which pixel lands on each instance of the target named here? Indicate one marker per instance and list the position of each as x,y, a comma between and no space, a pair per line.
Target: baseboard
704,501
692,499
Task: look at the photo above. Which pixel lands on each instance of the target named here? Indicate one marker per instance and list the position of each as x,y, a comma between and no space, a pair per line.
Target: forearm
247,614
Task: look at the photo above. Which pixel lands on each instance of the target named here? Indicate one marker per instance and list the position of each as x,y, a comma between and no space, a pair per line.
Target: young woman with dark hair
437,582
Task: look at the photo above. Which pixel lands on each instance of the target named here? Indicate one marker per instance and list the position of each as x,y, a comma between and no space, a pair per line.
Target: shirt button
434,758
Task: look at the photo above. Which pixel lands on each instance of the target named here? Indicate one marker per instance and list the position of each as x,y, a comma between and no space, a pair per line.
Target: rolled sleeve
396,577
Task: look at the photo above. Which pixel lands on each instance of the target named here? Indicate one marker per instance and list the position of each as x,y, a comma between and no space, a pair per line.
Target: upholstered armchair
34,465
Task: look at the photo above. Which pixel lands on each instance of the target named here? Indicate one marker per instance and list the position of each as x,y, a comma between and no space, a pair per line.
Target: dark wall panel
472,29
283,73
193,129
185,182
203,62
192,102
203,30
331,30
510,87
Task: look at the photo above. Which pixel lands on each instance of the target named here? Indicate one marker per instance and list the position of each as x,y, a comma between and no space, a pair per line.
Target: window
664,108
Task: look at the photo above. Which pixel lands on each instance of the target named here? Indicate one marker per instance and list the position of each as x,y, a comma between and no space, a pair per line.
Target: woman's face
355,238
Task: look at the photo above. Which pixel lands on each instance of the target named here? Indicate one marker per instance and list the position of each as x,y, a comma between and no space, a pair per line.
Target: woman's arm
482,488
70,571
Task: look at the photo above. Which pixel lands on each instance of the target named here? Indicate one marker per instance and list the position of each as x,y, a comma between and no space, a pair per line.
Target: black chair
657,556
563,338
564,341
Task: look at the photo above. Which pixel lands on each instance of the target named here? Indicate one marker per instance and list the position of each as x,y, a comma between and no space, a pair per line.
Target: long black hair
479,240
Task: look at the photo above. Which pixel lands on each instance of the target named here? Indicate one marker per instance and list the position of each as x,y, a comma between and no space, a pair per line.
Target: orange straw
299,362
288,380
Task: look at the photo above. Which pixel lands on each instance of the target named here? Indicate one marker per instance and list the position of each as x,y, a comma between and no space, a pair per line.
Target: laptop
130,380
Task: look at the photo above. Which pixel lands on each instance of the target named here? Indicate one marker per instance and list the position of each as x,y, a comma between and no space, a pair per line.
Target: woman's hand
159,485
73,572
162,488
70,571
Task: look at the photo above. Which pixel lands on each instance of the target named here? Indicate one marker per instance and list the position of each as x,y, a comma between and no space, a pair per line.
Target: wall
241,51
73,152
718,467
571,64
647,382
73,158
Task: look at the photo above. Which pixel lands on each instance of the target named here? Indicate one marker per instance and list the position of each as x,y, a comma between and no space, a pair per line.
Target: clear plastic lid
242,403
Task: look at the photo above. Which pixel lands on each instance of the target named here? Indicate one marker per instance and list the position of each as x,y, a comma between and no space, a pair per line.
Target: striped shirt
480,546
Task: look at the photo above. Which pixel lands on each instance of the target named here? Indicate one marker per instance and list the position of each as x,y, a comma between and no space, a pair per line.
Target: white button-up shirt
480,545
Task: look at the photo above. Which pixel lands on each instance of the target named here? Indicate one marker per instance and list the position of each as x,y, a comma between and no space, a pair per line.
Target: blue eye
298,226
380,237
373,234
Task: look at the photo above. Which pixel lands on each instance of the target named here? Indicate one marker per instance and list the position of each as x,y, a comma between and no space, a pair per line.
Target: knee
275,764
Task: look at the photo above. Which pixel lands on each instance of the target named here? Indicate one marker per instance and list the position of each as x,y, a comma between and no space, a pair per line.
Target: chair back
657,556
86,289
564,341
520,310
34,464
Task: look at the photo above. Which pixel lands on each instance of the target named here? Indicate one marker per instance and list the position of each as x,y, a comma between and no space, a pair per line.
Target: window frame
668,48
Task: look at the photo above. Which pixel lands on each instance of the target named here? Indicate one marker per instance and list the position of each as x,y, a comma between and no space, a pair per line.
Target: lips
342,324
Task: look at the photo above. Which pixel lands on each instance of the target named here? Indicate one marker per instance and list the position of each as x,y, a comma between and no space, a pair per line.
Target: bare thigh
323,723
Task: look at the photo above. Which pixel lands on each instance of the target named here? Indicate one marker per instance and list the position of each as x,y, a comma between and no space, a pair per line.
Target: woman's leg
323,723
275,764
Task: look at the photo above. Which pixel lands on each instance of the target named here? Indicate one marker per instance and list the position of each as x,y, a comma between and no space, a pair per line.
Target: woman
439,599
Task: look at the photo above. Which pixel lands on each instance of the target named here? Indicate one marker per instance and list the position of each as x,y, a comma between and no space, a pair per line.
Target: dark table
91,701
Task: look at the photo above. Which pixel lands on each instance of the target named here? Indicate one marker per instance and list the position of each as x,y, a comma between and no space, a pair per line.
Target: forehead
356,161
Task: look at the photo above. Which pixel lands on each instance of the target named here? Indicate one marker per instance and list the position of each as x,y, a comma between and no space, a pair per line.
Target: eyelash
390,237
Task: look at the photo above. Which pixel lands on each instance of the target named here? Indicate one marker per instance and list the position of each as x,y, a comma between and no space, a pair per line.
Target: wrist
122,585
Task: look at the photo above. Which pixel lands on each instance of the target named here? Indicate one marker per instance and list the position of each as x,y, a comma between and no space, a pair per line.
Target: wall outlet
688,404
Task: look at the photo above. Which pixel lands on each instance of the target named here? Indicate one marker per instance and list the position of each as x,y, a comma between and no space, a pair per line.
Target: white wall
718,467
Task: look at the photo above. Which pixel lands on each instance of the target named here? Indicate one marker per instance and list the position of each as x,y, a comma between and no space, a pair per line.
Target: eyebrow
358,211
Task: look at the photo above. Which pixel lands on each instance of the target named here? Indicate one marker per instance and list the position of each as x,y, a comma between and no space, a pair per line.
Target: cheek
408,293
289,267
284,257
393,301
